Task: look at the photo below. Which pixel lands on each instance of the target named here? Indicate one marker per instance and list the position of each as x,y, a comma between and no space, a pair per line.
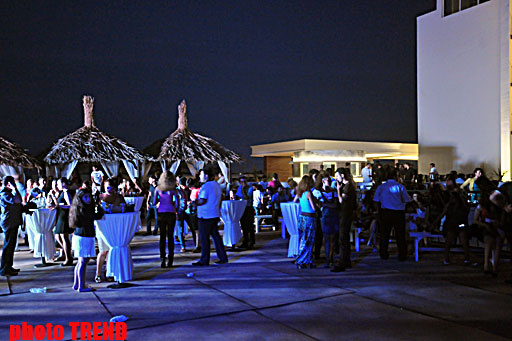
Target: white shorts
102,246
83,246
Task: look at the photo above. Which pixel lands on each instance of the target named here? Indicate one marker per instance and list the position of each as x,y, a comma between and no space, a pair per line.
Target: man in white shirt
433,174
208,214
96,178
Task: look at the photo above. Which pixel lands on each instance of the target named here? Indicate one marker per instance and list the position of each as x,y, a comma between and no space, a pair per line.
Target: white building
295,158
464,80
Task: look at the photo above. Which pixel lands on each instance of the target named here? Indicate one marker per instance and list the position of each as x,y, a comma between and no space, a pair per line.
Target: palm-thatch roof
89,144
184,145
11,154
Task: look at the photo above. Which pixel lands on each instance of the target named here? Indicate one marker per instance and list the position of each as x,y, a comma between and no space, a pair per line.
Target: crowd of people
398,199
389,198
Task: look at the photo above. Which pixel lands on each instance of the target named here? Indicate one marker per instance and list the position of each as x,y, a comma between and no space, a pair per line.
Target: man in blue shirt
10,220
392,198
366,172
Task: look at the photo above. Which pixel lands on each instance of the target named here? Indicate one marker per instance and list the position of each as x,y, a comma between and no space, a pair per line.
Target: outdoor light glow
329,155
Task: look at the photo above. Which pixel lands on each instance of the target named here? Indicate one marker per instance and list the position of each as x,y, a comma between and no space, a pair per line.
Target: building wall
463,97
278,164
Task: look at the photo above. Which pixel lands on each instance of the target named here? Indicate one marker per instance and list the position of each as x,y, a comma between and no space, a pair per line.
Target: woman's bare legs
66,247
100,260
450,239
489,242
464,240
80,273
58,239
497,250
75,278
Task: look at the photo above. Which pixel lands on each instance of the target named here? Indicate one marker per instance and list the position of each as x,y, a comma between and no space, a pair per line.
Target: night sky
252,72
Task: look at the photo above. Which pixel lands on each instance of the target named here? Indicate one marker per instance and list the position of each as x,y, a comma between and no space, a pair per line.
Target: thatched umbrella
187,146
89,144
13,158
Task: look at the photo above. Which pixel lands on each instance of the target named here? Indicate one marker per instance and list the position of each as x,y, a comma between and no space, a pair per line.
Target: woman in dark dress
328,198
62,229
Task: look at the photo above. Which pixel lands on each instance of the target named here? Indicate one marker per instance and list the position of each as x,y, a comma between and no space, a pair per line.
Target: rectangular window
355,168
330,165
296,170
467,4
304,169
450,7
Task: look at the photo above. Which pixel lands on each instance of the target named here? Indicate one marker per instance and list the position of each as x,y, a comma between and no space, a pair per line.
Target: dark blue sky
251,71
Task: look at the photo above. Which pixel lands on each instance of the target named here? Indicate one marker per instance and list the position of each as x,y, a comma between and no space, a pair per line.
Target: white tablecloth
117,230
30,233
291,213
231,212
41,223
137,201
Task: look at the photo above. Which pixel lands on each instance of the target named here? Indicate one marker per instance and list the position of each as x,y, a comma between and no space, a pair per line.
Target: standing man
346,190
366,172
433,174
378,173
208,214
410,174
392,198
151,207
244,192
97,179
10,220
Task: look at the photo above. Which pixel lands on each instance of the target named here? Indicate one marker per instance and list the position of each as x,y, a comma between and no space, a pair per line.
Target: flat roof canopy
367,150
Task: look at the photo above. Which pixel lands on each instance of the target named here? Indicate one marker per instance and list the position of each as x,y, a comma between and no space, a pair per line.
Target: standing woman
328,197
62,229
346,190
53,195
194,186
82,214
307,223
166,200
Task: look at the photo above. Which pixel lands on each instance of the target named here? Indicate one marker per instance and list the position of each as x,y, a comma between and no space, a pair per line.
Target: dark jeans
248,228
319,236
392,219
11,236
152,213
166,222
207,228
344,239
182,218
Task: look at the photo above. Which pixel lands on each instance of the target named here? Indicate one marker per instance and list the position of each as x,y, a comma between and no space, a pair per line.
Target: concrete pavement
260,295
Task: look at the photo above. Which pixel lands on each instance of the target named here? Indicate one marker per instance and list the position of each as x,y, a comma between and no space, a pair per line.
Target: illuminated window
304,169
355,168
330,165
